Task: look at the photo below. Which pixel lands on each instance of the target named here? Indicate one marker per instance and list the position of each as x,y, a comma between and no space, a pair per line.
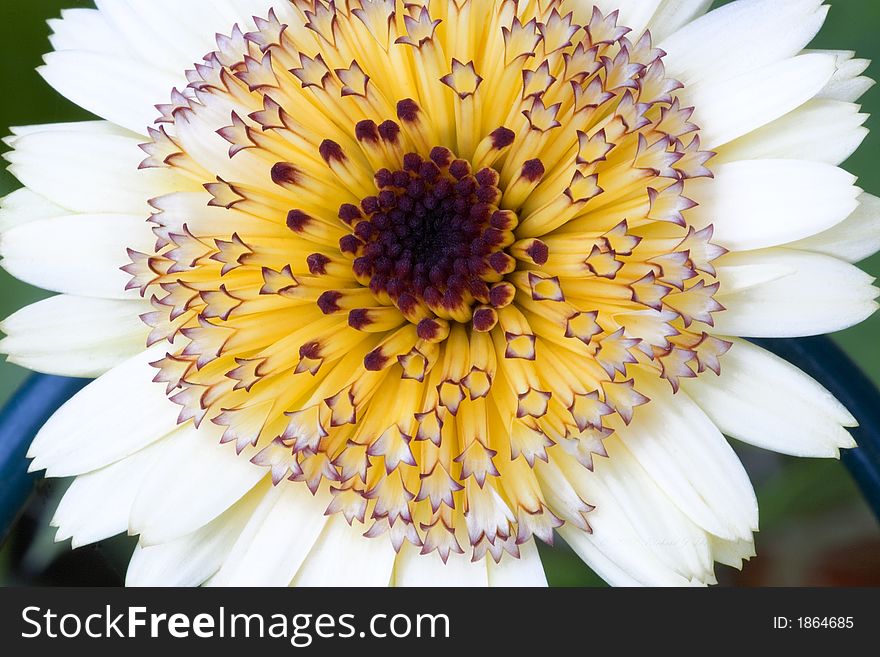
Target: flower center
431,241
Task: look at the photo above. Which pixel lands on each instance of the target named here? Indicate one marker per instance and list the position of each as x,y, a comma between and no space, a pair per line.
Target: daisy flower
382,293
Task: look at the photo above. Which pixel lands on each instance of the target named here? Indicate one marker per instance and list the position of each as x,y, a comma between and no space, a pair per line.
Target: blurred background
815,528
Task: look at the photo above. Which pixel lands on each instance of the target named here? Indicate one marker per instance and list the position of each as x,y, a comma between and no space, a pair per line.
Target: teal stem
20,420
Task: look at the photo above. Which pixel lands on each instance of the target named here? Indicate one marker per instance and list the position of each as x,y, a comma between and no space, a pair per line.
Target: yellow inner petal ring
438,246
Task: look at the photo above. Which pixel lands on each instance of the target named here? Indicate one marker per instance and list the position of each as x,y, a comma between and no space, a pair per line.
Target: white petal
97,504
634,14
90,168
822,295
737,273
416,570
111,418
96,128
175,44
196,133
688,458
821,131
666,531
119,89
848,83
639,534
120,61
853,239
192,559
151,38
525,571
192,209
280,534
848,90
618,555
194,481
605,566
342,556
672,15
759,203
765,401
79,255
732,553
730,108
75,336
741,37
85,29
23,205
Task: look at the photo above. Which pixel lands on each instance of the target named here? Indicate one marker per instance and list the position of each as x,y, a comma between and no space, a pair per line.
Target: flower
421,283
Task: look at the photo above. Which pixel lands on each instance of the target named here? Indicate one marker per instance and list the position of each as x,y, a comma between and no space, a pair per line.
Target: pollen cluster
431,242
439,245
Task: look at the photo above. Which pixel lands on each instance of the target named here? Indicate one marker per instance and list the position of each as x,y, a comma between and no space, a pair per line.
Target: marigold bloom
449,275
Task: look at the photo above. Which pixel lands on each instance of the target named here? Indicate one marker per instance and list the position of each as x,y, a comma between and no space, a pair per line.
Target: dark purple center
430,233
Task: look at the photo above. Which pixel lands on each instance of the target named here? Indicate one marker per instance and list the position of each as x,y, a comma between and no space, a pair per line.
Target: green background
815,528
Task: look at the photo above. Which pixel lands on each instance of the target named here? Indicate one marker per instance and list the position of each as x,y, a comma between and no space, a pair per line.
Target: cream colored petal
853,239
276,540
726,109
192,559
97,504
23,205
822,295
111,418
618,555
609,567
672,15
644,521
821,130
763,400
687,457
122,59
634,14
80,255
342,556
75,336
414,570
89,168
759,203
848,84
525,571
740,37
194,481
732,553
85,29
